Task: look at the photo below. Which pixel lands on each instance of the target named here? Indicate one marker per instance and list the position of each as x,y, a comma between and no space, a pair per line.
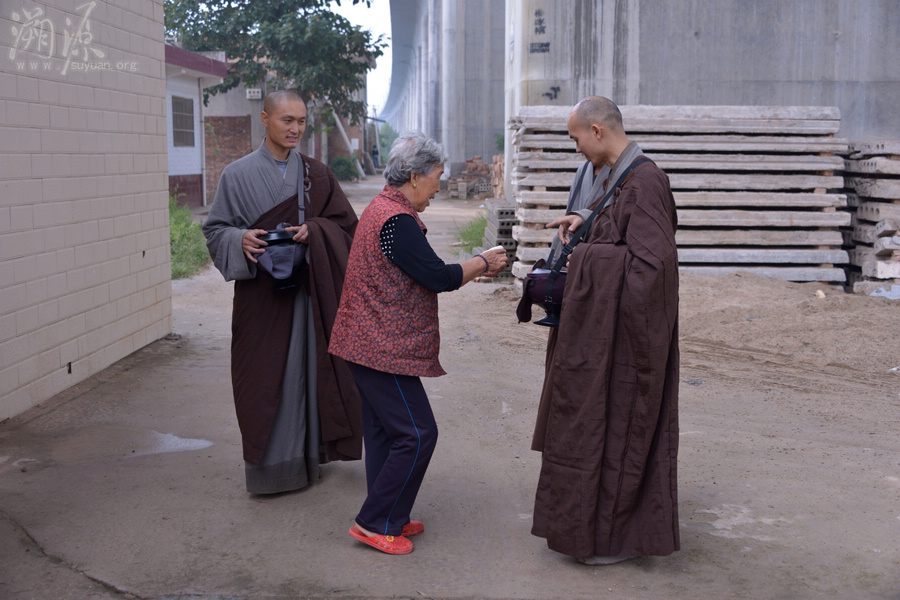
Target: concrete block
7,327
16,349
96,318
60,141
26,320
121,266
90,141
27,88
126,163
39,115
53,214
73,235
41,165
56,285
15,165
102,99
23,265
8,88
123,246
93,231
18,113
5,219
84,94
34,367
111,80
45,265
20,246
21,218
62,168
95,120
84,258
127,225
76,301
100,253
143,279
68,352
12,297
48,312
15,402
9,381
75,326
65,259
20,140
35,290
48,91
58,117
54,188
111,166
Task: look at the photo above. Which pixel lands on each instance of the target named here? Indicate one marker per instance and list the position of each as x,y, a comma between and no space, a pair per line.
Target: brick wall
84,236
227,139
188,188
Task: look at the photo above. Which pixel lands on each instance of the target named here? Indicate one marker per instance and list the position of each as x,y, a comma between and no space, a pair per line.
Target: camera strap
586,226
303,185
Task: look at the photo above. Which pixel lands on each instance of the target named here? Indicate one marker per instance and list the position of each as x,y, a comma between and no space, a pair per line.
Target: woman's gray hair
411,153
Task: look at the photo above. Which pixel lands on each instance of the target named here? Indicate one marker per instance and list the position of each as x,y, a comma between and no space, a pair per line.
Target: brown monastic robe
262,318
608,418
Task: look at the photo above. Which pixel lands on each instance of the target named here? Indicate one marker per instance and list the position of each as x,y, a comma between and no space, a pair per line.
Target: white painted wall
184,160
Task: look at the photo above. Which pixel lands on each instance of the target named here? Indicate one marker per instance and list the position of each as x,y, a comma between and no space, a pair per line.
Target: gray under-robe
586,187
248,188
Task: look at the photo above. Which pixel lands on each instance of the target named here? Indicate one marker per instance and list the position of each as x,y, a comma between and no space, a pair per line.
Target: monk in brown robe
608,418
297,406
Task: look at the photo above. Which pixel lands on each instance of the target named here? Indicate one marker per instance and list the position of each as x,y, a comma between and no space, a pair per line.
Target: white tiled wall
84,240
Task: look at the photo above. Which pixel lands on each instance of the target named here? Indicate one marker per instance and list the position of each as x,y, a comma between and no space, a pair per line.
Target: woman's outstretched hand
497,261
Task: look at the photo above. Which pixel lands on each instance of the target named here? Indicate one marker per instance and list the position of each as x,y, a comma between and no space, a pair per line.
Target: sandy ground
789,465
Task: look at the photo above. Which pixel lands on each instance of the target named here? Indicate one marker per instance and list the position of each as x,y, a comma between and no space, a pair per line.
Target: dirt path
789,464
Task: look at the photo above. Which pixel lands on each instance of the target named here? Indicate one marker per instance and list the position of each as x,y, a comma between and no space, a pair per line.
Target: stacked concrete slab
873,175
501,217
756,187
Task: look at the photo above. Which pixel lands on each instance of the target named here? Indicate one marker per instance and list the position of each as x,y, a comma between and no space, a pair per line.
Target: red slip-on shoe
388,544
413,528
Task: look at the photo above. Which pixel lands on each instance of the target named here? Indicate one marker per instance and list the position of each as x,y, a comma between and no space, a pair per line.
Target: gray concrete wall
559,52
840,53
843,53
472,77
447,78
84,228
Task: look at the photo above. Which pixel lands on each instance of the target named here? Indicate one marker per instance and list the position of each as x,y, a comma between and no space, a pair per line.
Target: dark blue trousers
400,434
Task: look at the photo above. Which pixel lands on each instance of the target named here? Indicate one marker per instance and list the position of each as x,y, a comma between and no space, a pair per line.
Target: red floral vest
385,321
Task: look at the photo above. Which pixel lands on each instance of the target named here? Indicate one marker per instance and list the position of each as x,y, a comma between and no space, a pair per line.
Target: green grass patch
343,168
472,233
189,254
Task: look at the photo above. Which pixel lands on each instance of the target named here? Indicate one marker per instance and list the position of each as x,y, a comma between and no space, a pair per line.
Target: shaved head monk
608,418
280,227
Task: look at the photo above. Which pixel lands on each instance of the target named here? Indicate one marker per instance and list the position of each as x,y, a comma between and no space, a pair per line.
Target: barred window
182,121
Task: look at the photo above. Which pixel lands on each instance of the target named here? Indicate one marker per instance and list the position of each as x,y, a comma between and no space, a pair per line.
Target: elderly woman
387,330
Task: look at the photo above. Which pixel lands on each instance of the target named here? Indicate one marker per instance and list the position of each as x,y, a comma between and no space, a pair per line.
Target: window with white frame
182,121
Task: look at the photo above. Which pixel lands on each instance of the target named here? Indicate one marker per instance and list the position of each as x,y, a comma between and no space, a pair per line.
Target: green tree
386,137
302,43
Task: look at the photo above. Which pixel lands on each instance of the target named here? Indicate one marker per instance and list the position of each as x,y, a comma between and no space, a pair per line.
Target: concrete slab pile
873,175
756,186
